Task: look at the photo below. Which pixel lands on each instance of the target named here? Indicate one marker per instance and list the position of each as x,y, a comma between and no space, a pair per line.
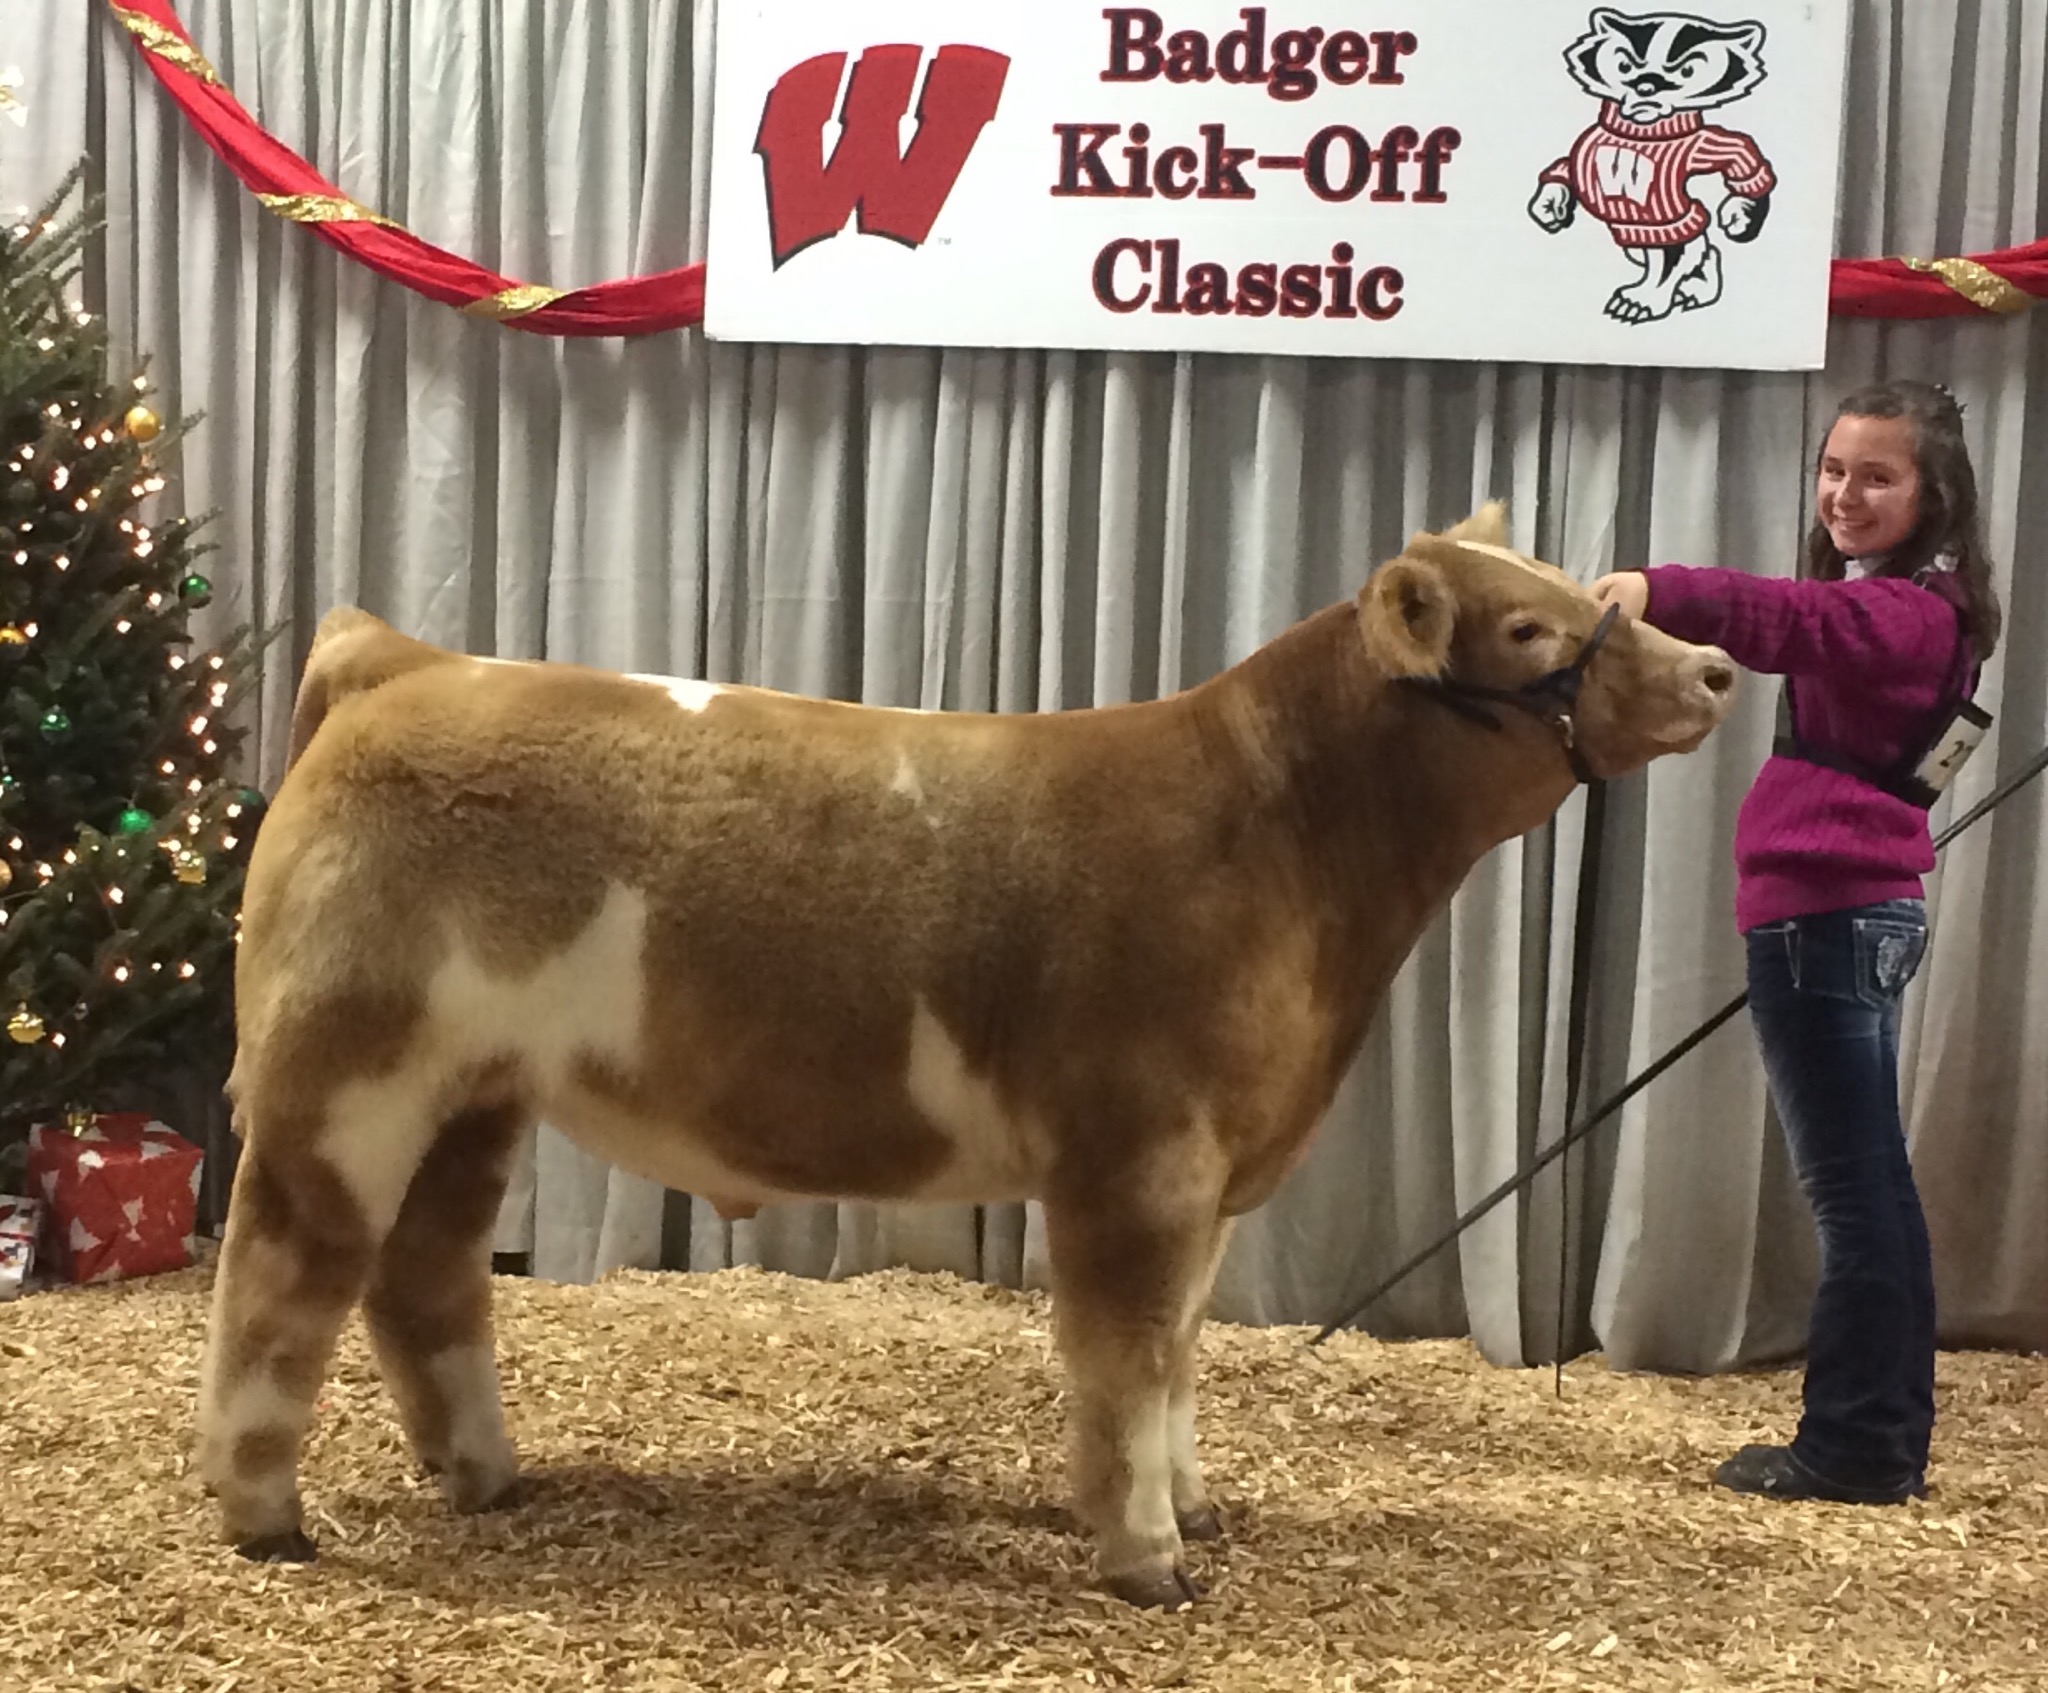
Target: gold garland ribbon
332,208
1982,286
322,208
513,302
167,46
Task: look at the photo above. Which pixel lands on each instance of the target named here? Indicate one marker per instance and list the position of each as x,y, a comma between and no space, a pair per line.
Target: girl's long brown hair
1949,521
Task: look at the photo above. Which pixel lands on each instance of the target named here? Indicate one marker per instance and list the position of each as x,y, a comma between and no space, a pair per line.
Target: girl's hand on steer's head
1629,589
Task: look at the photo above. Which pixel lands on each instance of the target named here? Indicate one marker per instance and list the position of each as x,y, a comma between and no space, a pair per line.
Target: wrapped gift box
19,1220
119,1196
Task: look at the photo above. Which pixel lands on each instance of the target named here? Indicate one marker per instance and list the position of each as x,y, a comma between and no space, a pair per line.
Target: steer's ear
1407,612
1488,526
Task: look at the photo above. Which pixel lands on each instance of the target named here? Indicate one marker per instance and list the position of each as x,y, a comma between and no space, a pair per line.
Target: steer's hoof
1202,1523
294,1546
471,1488
1155,1590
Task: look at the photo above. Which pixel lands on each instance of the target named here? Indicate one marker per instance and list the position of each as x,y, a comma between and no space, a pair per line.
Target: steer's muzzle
1704,689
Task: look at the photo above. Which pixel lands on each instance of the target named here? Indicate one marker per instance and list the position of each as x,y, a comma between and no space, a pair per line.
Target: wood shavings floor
749,1481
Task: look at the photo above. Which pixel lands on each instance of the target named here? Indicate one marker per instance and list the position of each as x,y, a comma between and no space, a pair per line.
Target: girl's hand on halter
1629,589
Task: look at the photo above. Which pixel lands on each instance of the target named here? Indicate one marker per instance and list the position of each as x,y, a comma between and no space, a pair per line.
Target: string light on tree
15,110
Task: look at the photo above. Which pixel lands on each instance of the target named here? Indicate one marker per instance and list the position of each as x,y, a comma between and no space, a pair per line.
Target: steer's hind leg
1130,1272
293,1259
314,1194
429,1308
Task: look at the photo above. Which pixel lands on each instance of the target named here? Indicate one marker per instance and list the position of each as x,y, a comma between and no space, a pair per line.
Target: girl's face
1868,493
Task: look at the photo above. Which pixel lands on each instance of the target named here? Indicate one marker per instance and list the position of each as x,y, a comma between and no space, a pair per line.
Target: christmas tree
122,832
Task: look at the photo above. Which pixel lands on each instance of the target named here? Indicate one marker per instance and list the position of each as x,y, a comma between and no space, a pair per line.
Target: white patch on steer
1182,1452
253,1403
587,1001
468,1379
993,1153
1148,1523
905,781
689,693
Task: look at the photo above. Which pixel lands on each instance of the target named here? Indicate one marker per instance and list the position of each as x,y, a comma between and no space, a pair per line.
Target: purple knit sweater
1873,660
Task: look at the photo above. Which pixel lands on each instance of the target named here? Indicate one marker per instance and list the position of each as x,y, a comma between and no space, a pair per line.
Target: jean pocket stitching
1888,956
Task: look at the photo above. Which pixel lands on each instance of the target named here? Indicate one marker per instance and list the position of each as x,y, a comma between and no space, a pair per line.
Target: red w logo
898,194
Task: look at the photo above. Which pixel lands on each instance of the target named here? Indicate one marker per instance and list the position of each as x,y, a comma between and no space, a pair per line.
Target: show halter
1552,698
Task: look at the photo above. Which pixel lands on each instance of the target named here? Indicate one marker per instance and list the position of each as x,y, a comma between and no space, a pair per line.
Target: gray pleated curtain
1040,529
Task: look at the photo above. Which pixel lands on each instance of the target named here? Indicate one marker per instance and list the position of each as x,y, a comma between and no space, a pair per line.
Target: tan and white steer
761,947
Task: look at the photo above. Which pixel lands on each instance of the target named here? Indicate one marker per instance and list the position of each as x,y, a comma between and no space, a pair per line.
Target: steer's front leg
1192,1509
1131,1273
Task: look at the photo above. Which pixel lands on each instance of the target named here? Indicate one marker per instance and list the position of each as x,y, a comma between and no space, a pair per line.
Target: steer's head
1492,634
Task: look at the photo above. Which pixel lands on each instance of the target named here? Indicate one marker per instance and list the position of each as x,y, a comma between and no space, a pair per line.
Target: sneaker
1777,1472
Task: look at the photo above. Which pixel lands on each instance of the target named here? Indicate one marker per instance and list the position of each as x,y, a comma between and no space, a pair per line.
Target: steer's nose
1718,675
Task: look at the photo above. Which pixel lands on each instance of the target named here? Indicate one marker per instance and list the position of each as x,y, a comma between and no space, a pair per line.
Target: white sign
1463,179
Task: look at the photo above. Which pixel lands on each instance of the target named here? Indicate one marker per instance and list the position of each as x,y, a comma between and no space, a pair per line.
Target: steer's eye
1523,633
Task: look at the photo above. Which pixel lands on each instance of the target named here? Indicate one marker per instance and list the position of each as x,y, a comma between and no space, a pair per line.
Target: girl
1881,642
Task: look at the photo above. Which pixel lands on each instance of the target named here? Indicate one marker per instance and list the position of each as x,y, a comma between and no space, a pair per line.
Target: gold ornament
6,875
24,1028
142,423
189,868
12,636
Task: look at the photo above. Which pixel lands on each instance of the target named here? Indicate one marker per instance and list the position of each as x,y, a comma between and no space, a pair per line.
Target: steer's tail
353,652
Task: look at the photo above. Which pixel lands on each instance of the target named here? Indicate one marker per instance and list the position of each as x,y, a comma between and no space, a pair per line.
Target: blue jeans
1824,995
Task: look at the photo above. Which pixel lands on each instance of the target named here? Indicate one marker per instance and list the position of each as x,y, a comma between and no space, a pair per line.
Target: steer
762,948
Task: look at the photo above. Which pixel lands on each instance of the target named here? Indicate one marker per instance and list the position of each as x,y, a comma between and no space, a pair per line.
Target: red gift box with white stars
120,1197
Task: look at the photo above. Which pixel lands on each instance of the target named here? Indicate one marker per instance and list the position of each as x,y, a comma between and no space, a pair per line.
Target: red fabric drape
1895,288
640,305
1986,284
